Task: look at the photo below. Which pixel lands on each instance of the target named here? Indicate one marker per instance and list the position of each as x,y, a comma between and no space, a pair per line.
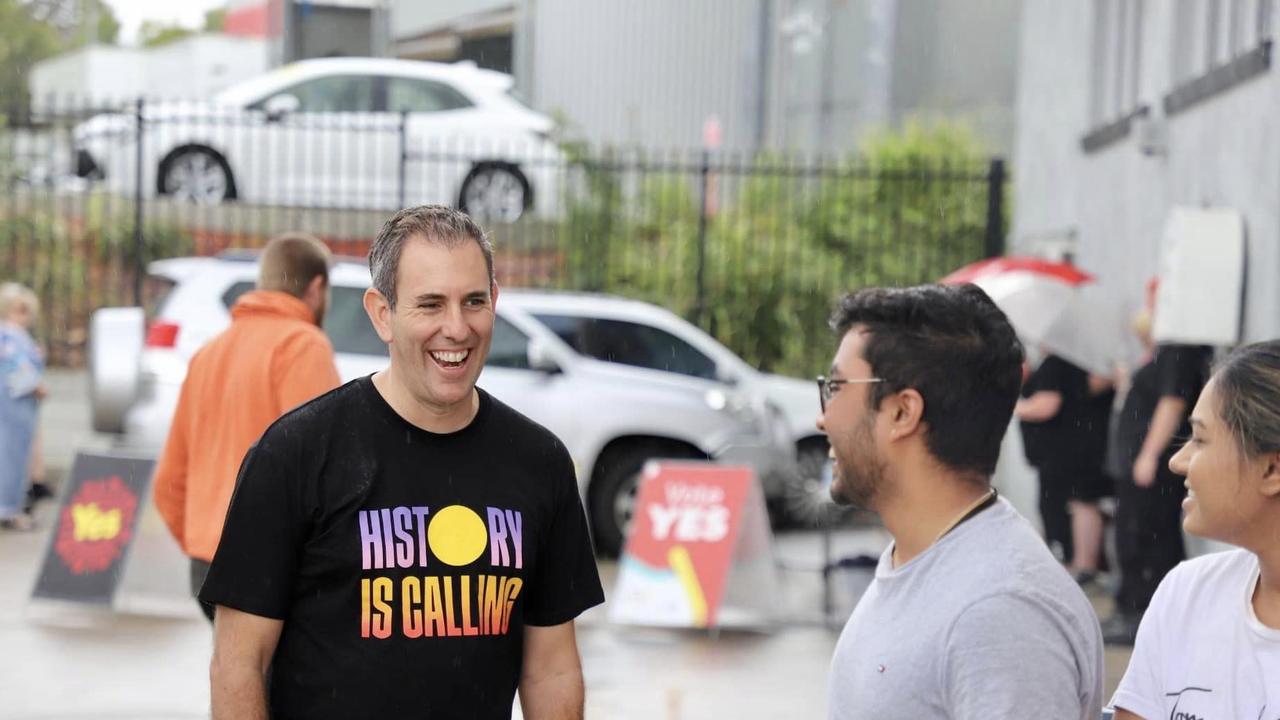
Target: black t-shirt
405,564
1075,439
1176,371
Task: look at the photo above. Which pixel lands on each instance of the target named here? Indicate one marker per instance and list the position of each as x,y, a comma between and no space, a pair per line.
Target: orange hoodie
272,359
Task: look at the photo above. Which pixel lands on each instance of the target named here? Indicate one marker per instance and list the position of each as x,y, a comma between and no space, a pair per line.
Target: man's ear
906,413
317,288
379,313
493,294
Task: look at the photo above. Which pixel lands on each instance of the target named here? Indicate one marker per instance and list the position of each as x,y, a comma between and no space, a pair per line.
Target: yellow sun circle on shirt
457,535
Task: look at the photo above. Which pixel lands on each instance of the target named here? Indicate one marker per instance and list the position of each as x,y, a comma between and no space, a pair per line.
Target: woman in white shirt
1209,645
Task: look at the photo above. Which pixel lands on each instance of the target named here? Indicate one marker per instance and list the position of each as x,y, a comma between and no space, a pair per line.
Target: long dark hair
1248,388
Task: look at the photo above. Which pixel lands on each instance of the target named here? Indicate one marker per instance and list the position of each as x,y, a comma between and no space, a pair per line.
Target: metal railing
753,249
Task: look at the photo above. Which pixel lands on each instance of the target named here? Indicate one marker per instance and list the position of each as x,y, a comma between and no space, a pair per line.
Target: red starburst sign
96,525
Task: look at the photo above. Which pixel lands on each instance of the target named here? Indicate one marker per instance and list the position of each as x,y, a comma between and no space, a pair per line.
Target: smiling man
406,545
969,615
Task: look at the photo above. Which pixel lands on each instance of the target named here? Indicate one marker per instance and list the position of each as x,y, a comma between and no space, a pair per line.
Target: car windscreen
345,321
629,343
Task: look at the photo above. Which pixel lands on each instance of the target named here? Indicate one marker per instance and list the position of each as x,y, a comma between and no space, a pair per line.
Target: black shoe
1120,629
36,492
1084,578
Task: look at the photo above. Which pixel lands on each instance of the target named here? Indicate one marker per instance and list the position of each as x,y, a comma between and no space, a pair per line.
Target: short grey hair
13,294
433,223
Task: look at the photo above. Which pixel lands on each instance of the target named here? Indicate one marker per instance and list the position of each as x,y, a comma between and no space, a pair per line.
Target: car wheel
196,175
495,192
613,494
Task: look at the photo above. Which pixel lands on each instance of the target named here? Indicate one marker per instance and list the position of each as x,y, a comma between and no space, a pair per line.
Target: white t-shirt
1201,651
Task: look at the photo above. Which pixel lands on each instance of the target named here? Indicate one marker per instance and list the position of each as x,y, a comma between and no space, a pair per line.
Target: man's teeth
450,357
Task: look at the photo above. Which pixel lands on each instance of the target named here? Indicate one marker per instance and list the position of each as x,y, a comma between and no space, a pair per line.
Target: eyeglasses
827,387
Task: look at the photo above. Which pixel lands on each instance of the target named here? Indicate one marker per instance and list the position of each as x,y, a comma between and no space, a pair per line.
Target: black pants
1148,537
1055,491
199,569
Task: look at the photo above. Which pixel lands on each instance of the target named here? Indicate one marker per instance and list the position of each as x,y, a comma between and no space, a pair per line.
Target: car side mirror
540,359
277,106
726,376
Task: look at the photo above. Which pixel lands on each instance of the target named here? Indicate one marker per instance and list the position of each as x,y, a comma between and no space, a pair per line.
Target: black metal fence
754,249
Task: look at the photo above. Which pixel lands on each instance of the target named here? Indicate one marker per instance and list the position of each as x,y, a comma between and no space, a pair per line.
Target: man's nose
455,325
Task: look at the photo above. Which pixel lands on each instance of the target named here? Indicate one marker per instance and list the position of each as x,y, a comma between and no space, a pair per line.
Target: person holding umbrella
1067,402
1063,413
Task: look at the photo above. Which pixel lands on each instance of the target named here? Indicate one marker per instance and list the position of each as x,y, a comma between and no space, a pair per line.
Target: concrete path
69,662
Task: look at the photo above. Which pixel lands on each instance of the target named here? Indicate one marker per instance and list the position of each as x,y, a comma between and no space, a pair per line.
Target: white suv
614,416
329,133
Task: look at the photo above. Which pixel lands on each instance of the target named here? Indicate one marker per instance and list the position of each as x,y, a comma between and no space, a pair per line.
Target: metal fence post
700,284
994,246
139,243
404,158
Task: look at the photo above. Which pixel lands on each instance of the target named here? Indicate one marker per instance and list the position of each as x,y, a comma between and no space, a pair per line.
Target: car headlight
105,129
735,404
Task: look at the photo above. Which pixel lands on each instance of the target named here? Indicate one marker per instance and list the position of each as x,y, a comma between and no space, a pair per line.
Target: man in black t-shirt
1149,495
406,545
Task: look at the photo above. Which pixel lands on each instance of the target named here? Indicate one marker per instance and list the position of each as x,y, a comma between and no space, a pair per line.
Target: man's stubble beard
860,471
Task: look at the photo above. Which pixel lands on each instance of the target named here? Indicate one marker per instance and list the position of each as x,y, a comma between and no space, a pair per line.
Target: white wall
103,76
1225,153
200,66
1052,113
96,75
1222,152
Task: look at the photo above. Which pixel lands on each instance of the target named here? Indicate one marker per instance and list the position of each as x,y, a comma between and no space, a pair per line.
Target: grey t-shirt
984,624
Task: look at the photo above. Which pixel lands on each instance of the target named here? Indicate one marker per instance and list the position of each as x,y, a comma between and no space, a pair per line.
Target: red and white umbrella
1032,292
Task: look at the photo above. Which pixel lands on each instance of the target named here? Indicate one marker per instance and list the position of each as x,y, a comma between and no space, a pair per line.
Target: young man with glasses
969,615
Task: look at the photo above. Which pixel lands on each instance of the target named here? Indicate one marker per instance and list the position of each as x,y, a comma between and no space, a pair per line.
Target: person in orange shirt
273,358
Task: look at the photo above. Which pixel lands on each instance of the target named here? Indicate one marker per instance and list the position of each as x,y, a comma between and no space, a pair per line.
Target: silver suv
558,358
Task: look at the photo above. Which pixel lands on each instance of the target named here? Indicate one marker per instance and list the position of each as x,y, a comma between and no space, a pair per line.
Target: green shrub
784,245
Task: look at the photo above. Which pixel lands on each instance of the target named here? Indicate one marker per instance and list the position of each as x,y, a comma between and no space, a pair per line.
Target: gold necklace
952,525
965,513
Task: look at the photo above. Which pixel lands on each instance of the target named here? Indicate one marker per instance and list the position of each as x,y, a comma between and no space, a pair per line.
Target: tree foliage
215,20
36,30
154,34
787,237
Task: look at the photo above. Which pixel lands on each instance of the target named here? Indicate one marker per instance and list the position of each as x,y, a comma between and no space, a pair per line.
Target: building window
1117,59
1218,44
1209,34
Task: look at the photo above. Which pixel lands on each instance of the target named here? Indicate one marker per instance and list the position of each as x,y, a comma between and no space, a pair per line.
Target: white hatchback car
339,132
614,416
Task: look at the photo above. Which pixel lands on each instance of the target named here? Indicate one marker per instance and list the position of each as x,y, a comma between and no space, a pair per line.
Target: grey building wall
958,60
833,62
415,17
807,75
1222,152
644,73
1052,114
316,31
873,63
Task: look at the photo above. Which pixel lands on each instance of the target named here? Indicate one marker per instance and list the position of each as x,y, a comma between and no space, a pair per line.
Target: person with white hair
21,389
